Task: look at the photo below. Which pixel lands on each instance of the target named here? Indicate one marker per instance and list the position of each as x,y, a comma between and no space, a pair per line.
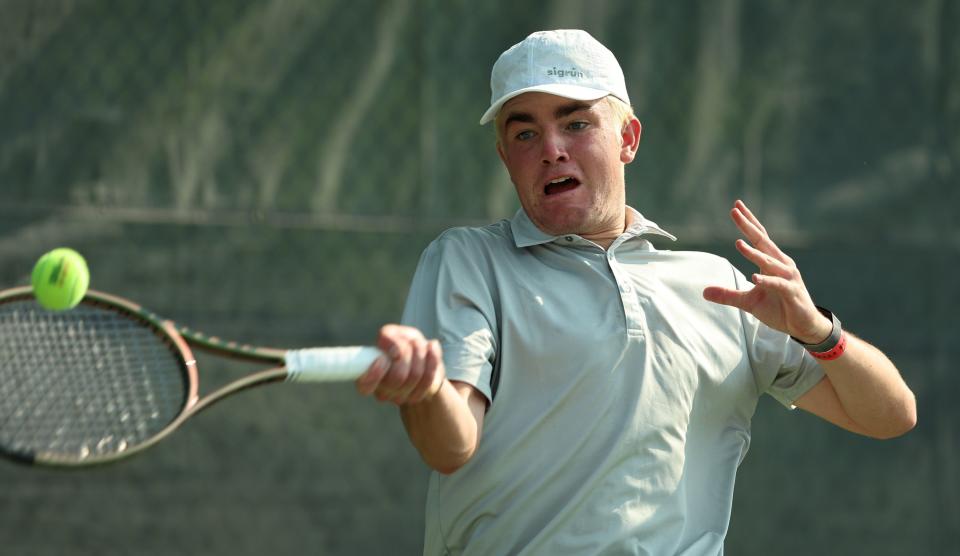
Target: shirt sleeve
451,299
781,366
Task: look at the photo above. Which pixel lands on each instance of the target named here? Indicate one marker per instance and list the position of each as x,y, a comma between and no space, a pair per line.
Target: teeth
559,180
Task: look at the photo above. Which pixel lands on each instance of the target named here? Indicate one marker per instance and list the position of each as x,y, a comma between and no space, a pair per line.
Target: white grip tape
329,364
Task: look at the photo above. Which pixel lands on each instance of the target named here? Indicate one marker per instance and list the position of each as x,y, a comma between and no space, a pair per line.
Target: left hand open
779,298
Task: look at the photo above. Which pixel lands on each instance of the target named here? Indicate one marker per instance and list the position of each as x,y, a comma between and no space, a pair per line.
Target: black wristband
832,340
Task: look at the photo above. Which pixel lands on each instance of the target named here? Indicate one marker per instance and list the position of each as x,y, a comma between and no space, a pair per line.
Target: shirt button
625,288
569,238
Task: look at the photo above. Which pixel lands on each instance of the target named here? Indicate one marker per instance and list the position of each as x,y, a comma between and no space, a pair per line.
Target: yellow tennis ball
60,279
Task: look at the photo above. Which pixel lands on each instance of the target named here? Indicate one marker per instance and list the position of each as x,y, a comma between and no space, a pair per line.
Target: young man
586,393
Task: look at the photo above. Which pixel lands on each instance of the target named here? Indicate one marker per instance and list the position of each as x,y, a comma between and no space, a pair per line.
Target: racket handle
329,364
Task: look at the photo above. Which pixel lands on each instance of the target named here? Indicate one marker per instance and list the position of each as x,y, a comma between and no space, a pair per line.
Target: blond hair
622,111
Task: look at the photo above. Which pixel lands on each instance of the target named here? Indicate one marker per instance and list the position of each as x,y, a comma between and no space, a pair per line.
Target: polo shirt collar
526,233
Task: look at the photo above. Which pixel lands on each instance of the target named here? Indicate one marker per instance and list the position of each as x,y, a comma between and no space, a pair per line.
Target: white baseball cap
568,63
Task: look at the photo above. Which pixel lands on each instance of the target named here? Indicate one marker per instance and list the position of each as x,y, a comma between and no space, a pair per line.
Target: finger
436,359
433,374
399,367
756,234
399,343
767,264
401,389
392,335
748,214
726,296
369,380
782,286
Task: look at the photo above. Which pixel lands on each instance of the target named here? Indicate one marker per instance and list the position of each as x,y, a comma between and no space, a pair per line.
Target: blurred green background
269,170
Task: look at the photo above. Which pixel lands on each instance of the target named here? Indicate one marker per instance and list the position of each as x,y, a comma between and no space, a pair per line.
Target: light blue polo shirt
623,400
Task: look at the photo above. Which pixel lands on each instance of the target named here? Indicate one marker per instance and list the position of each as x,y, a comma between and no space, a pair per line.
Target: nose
553,149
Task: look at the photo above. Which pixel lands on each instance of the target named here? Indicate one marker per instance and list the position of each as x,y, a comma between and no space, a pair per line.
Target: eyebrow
561,112
571,108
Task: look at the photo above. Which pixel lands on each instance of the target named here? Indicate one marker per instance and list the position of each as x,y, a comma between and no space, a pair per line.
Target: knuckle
400,352
398,333
388,330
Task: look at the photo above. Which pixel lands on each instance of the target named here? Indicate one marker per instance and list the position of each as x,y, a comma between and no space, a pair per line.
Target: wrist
430,396
821,330
833,345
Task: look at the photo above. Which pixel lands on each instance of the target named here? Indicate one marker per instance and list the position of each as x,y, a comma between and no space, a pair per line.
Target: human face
566,160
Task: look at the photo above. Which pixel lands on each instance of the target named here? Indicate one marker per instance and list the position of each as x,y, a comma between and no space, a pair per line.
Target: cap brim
574,92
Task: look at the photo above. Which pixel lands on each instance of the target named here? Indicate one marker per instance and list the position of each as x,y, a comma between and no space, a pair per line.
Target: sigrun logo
572,72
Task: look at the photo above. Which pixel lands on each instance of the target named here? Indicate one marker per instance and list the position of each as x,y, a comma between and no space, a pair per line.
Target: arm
863,391
443,418
446,429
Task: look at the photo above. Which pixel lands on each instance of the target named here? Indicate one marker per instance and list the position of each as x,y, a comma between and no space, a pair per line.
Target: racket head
91,385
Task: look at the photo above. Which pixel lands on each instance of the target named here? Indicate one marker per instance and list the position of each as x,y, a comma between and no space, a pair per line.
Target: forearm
446,428
871,390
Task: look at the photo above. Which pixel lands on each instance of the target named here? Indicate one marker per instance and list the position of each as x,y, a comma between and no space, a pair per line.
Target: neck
608,236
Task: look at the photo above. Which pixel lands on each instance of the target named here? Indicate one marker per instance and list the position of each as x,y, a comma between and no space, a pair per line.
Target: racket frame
180,337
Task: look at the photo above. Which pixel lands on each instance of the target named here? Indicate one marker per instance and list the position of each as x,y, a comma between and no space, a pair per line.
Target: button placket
631,307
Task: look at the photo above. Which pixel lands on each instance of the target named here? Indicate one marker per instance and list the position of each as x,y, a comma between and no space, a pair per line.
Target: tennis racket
108,379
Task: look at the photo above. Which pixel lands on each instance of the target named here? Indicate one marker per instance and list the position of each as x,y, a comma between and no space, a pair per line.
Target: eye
524,135
578,125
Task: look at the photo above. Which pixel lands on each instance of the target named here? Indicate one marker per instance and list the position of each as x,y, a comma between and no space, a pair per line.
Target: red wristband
835,352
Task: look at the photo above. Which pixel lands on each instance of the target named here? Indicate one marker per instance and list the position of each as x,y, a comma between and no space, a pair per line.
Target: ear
630,140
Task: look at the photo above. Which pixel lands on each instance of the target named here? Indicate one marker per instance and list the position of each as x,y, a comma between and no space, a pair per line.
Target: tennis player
582,391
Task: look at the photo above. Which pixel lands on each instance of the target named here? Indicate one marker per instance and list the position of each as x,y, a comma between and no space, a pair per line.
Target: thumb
725,296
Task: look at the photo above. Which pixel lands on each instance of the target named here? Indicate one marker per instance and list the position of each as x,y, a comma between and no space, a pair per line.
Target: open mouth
560,185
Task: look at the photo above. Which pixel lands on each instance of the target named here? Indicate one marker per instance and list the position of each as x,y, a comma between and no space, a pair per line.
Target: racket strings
84,383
